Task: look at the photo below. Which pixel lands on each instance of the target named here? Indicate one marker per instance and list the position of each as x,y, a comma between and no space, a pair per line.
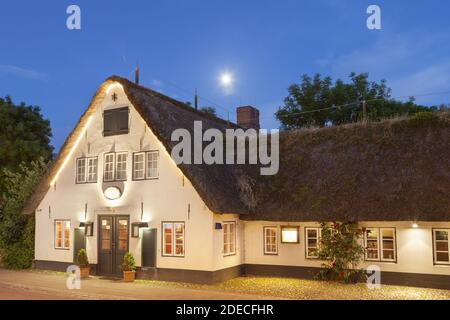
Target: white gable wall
165,199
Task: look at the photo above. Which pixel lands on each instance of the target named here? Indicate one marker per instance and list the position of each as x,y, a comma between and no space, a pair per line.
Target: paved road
26,285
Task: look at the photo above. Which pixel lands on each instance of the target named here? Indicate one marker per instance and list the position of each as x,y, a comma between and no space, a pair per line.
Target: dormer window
115,121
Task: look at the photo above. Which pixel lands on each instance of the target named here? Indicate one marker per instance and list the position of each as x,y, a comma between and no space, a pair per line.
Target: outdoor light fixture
415,226
82,225
112,193
136,226
88,228
289,235
218,226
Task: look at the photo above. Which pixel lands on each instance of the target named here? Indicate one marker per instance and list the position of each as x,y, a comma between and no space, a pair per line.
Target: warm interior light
289,235
415,225
69,156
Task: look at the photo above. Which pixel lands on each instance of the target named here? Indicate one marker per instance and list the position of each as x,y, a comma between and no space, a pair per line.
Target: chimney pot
248,117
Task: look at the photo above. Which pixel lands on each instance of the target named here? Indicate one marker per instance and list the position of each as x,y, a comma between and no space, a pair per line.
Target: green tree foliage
309,102
209,110
24,136
341,252
17,229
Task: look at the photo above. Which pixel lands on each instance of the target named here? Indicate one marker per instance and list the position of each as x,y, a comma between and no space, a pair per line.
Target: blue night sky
181,45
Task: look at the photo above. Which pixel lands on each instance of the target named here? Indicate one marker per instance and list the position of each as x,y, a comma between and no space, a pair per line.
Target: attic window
115,121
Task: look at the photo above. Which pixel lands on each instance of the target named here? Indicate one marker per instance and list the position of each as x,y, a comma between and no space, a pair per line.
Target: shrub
128,262
422,118
17,229
82,258
342,253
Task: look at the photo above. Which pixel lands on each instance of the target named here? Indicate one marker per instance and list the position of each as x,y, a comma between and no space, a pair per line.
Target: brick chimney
248,117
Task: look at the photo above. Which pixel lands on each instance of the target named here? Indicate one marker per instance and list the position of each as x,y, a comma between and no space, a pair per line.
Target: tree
209,110
312,102
24,136
17,229
340,250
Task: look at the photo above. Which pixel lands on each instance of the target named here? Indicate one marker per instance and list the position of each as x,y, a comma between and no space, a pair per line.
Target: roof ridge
177,103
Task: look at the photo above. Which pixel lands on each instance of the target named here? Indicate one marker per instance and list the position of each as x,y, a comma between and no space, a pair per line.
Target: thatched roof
393,170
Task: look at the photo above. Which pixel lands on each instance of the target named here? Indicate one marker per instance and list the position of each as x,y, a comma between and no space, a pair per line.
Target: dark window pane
441,246
442,256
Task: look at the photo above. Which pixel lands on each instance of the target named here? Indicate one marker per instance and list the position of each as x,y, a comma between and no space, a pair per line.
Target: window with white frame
270,240
92,169
152,164
441,246
121,166
81,170
380,244
139,166
173,239
229,238
62,234
108,168
86,170
312,242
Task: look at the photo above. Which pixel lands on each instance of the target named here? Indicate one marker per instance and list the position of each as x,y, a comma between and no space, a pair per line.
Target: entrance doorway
113,243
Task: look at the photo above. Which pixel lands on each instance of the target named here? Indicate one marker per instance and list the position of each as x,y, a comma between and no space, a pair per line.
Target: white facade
172,198
169,198
414,247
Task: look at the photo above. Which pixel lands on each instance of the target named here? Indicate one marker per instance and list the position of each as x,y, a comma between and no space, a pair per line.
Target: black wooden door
149,248
113,238
79,242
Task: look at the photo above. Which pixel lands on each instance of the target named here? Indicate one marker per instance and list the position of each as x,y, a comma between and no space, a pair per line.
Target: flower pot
129,276
84,272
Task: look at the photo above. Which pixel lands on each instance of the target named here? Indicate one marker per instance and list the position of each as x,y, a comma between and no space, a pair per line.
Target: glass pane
312,233
388,244
67,234
123,235
442,256
372,254
58,234
312,243
168,237
372,234
387,234
388,254
106,234
441,235
441,246
312,252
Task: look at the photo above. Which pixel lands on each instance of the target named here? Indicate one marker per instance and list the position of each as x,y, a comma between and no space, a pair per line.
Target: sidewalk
31,285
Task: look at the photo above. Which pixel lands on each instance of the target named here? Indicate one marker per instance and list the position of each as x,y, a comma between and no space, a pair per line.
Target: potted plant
128,267
83,263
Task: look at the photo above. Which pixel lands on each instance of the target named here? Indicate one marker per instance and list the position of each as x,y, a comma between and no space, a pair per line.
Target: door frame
113,234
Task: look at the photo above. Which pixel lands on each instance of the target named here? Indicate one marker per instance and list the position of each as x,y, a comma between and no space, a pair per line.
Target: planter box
129,276
84,272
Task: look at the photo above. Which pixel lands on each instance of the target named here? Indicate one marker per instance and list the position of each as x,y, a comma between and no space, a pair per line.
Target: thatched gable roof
387,171
392,170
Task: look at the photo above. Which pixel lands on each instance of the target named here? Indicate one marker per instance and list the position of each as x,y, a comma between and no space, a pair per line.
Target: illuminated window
270,240
312,242
289,235
173,239
138,166
229,238
380,244
62,234
121,166
108,169
441,246
152,164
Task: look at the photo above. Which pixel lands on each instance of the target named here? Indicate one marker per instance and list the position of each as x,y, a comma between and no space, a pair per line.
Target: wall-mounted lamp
136,226
88,228
218,226
415,226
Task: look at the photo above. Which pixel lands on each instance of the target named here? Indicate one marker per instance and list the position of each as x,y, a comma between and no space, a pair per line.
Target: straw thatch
392,170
